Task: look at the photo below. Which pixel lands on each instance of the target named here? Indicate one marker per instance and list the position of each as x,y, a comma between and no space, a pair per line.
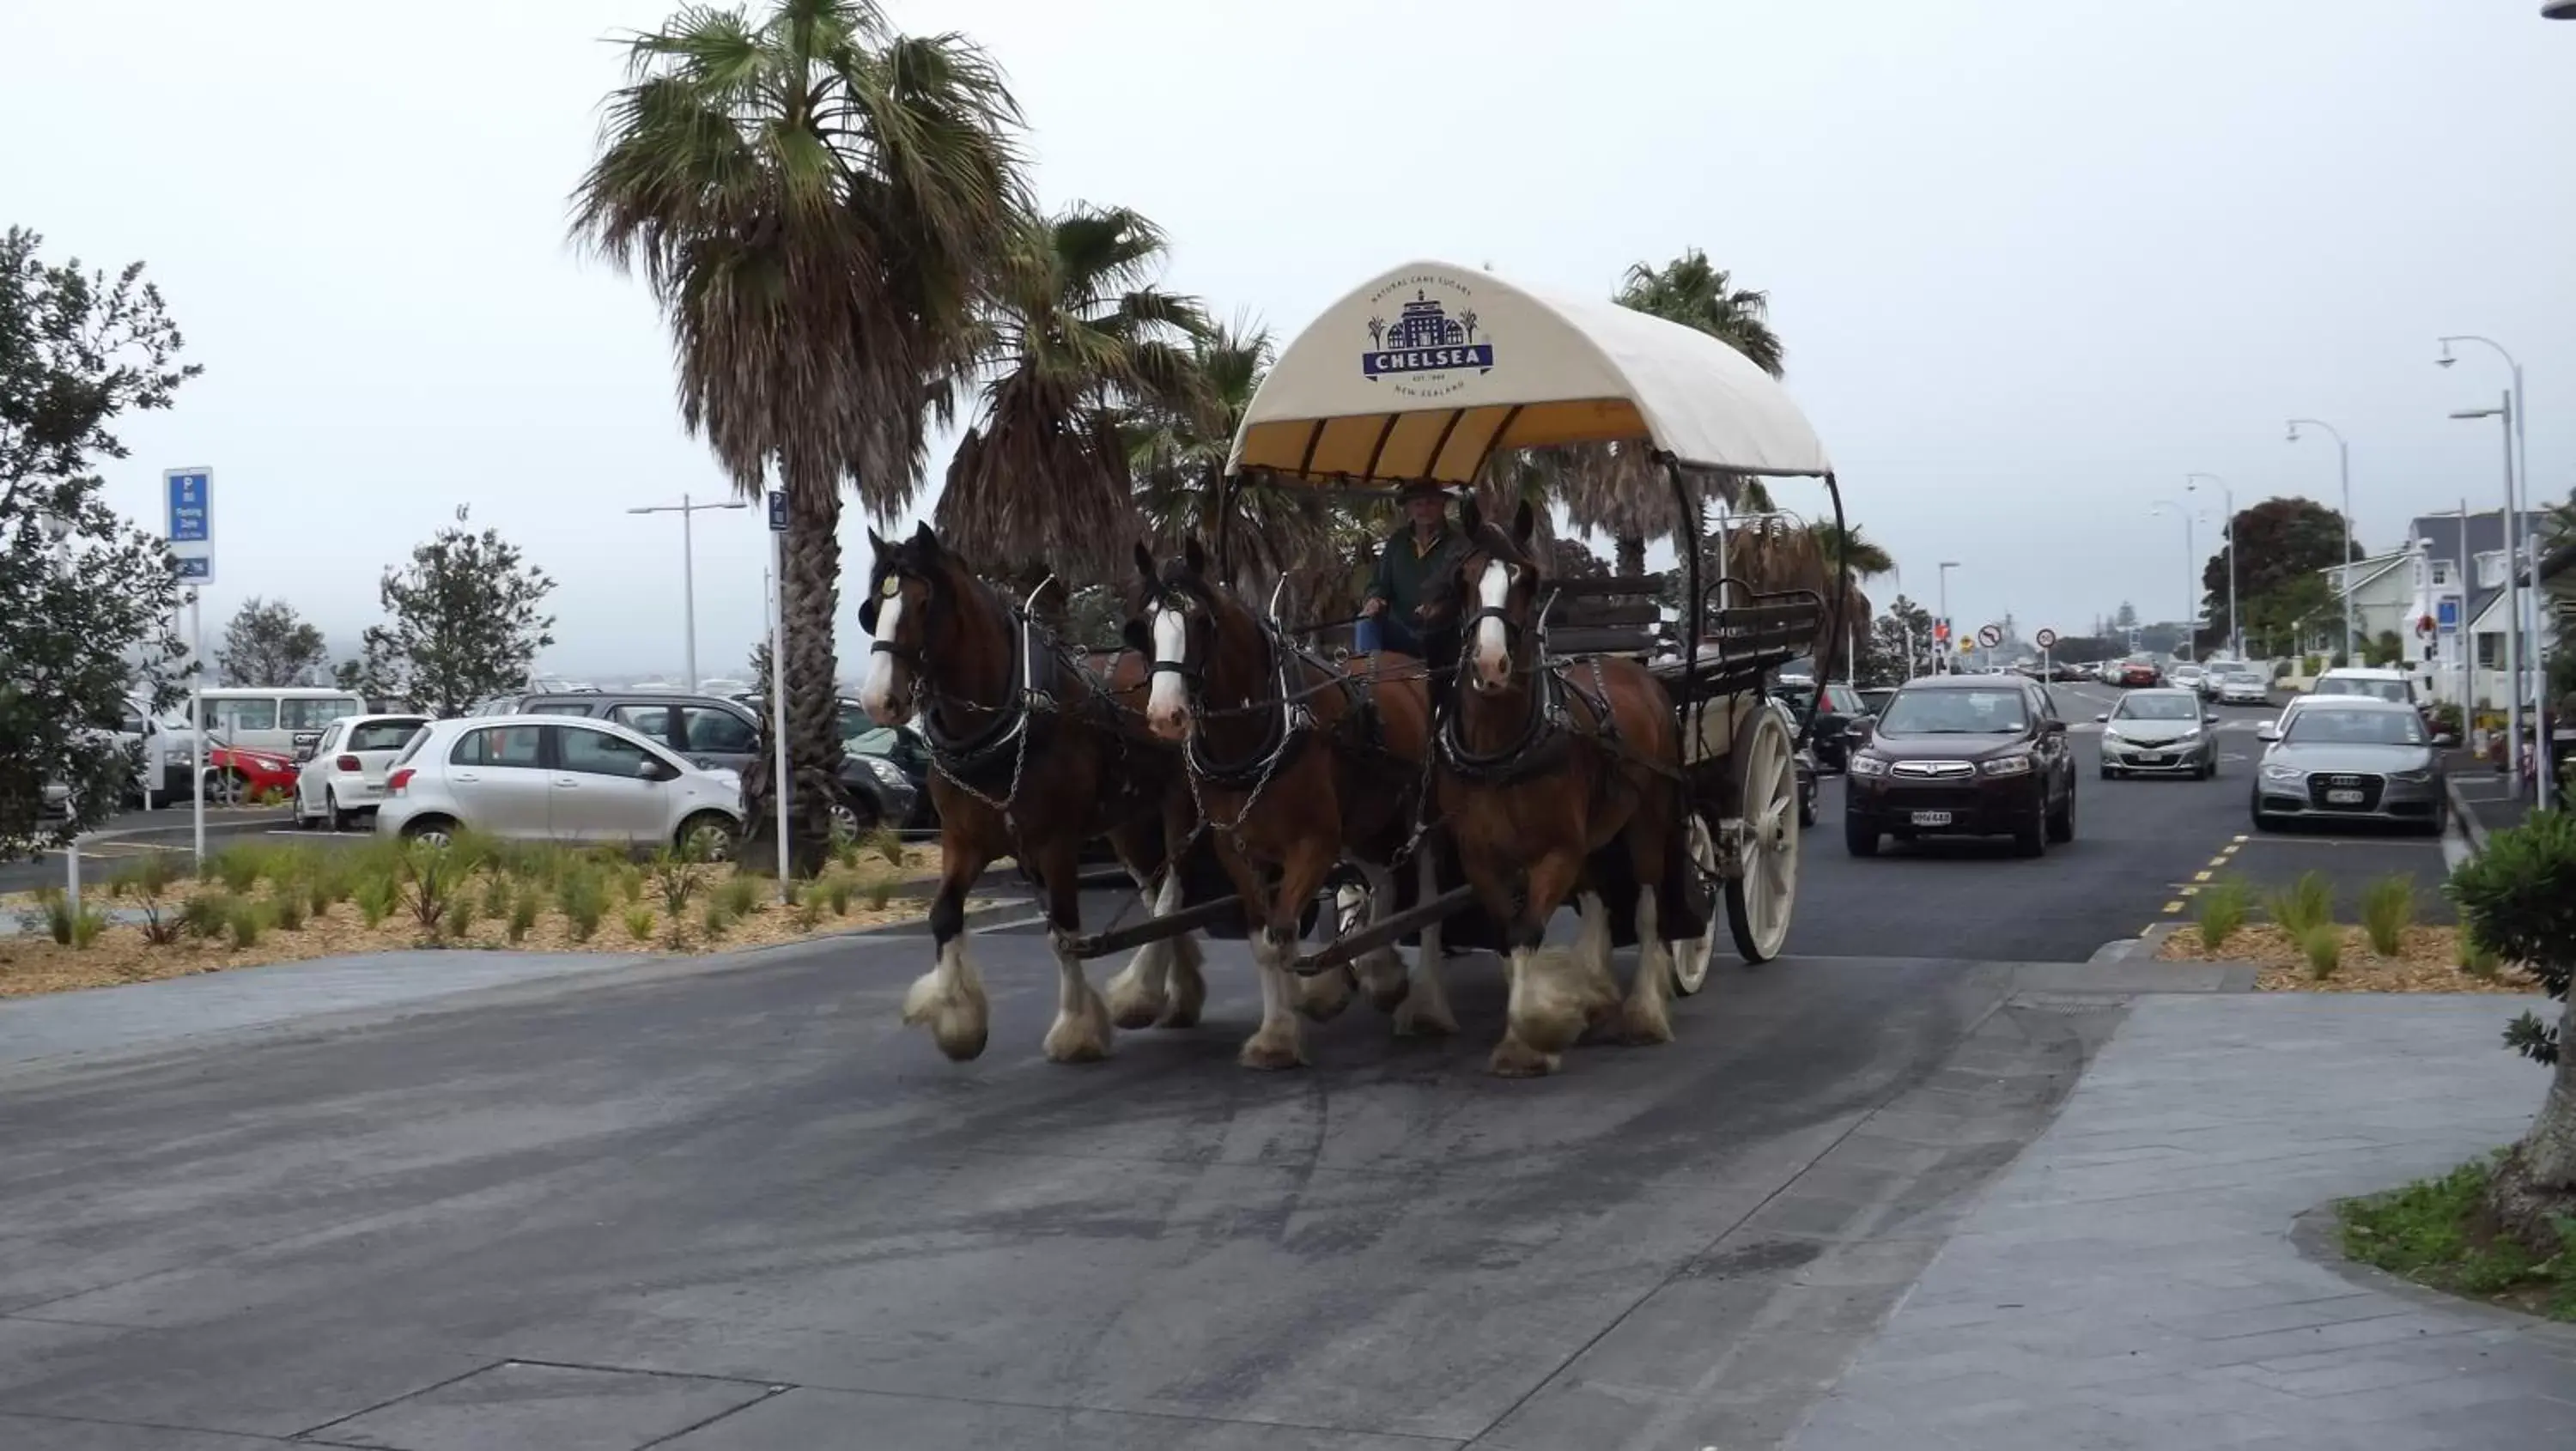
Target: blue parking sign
189,516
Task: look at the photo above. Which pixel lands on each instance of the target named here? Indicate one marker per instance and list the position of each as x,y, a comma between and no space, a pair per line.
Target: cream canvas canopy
1428,371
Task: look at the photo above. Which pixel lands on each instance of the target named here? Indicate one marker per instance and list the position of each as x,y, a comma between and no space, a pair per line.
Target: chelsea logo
1432,345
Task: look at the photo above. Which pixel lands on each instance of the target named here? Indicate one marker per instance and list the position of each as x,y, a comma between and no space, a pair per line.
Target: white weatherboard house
2453,572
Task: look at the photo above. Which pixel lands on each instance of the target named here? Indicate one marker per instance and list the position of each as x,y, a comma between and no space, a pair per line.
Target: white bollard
71,886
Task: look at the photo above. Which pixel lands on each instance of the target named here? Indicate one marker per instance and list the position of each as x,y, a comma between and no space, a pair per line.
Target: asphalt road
744,1201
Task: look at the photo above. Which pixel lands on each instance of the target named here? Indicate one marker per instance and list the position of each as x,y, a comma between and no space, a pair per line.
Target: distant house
2454,572
2382,590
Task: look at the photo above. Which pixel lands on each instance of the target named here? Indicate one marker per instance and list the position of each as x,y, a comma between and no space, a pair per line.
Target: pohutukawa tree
2518,899
461,622
821,207
267,643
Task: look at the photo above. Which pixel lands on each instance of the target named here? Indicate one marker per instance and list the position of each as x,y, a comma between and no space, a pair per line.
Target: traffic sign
1941,630
191,525
778,511
2045,638
2448,611
1990,635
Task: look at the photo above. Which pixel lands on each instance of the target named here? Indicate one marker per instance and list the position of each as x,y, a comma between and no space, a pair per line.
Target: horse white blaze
1167,705
877,697
1493,642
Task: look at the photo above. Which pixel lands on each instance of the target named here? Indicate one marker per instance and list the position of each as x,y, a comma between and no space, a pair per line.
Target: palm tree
1617,488
1270,531
817,203
1079,340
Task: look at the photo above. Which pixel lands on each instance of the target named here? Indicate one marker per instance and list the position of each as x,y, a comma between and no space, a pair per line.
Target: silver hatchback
557,778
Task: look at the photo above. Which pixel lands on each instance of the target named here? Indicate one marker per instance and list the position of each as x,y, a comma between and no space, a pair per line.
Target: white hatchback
570,779
345,775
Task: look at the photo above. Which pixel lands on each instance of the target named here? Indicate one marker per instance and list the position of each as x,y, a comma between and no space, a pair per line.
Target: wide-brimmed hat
1419,489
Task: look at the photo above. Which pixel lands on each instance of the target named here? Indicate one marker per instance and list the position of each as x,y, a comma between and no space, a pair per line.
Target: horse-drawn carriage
1630,762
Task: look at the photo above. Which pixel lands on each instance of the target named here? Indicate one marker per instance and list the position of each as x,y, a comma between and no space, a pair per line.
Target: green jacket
1403,568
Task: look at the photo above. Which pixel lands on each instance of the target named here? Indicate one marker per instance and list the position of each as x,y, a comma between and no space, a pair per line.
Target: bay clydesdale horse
1035,751
1298,767
1558,780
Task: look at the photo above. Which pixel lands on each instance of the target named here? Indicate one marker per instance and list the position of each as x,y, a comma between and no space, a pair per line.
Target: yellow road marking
2172,908
2191,891
2200,876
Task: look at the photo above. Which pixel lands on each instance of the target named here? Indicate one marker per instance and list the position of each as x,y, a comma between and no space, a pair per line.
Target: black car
1840,707
1963,755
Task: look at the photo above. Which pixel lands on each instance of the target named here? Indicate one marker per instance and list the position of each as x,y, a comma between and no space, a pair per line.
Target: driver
1391,612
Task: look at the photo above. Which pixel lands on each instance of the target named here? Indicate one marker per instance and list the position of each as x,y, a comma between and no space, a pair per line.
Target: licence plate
1931,818
2151,758
2343,798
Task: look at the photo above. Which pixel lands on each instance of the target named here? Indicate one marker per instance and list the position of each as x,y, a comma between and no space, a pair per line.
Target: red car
242,774
2140,672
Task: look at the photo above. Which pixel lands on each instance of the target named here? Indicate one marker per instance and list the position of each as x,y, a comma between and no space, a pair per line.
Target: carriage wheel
1690,959
1759,902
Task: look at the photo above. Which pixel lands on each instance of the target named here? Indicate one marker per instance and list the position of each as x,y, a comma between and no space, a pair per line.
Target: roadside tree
2518,900
462,622
269,644
85,597
819,205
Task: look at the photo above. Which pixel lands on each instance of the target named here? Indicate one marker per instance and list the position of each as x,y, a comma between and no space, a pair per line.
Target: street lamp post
1942,665
2512,597
2343,467
2235,642
688,576
2191,576
2517,499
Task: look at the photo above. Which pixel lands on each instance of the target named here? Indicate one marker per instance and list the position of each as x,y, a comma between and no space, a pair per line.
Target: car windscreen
2377,689
1954,711
2157,707
2320,725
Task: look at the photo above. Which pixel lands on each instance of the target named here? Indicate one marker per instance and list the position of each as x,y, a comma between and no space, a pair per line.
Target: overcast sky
2033,260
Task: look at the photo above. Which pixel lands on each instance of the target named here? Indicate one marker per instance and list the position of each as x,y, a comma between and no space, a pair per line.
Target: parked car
2188,676
345,776
901,750
2159,732
1963,755
238,774
557,778
2138,672
715,733
2352,757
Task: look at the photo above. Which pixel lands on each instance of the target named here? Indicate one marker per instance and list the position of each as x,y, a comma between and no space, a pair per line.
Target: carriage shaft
1353,945
1155,929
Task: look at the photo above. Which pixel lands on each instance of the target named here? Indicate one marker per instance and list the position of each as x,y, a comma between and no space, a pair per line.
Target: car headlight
1862,765
2015,765
2190,735
2412,778
886,771
2283,773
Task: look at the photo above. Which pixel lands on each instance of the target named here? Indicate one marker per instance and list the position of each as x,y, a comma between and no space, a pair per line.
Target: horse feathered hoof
1422,1016
1132,1006
1081,1036
1322,998
1270,1052
1388,983
955,1010
1516,1059
1643,1025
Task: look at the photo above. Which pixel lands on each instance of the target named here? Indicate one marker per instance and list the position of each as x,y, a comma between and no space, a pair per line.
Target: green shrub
2387,910
639,923
879,891
2517,901
740,895
73,929
523,914
805,907
460,917
322,891
2476,959
245,922
149,876
630,882
375,899
432,878
583,900
837,889
2324,946
2303,906
205,914
885,843
716,920
2220,909
238,867
675,878
497,894
286,909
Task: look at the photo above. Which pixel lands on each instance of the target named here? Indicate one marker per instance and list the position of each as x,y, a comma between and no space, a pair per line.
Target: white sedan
2244,687
345,775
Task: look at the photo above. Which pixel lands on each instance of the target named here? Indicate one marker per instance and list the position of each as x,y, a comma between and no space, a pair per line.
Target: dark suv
711,731
1963,755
